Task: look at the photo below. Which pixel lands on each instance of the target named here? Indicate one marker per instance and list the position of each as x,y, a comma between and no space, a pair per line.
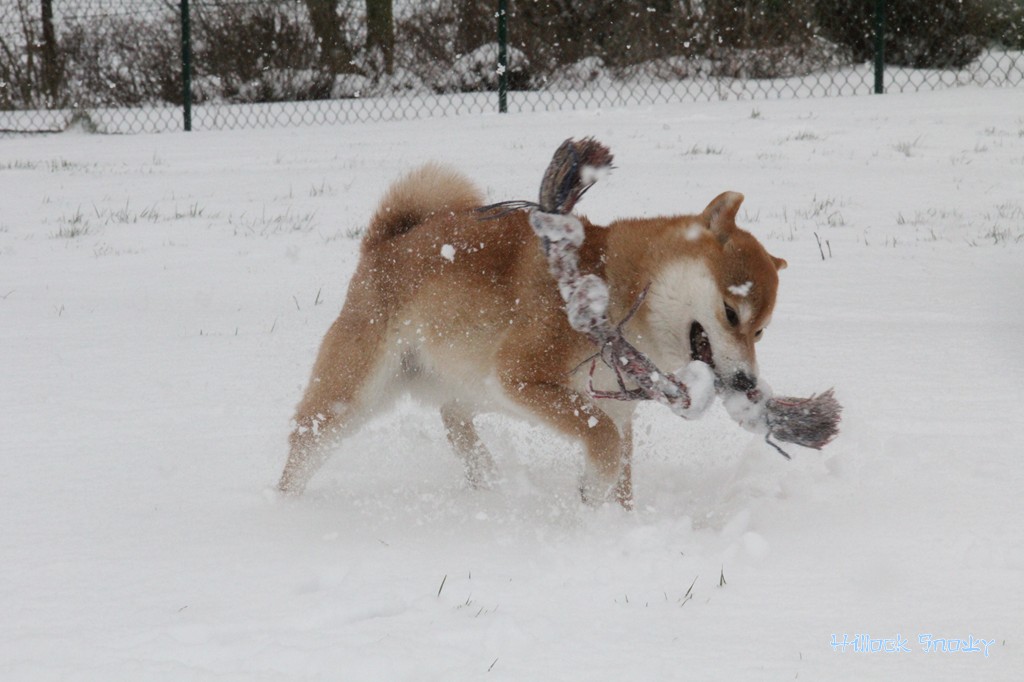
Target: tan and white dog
463,312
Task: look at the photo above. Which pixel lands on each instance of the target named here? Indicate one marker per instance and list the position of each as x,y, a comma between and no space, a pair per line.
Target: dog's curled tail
423,192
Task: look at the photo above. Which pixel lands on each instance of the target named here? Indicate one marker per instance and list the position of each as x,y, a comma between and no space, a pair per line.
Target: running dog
463,313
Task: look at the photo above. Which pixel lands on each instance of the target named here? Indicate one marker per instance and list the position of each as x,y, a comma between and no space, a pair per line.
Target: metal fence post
186,65
879,47
502,56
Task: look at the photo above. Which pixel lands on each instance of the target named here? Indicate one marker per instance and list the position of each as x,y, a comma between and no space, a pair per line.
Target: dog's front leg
462,434
606,472
624,486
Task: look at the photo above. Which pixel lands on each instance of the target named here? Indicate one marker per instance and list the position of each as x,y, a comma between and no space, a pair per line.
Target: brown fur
489,325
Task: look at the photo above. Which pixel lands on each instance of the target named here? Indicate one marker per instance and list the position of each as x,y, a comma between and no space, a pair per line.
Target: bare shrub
997,22
20,63
130,62
556,33
258,53
920,34
450,46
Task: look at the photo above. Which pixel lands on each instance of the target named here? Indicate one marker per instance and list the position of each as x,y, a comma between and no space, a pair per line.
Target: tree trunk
51,69
380,30
335,52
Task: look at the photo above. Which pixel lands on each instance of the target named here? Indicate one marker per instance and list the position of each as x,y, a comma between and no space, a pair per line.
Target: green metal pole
879,47
502,56
186,65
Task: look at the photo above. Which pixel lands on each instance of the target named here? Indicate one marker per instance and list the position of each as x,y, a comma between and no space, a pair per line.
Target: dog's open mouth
700,345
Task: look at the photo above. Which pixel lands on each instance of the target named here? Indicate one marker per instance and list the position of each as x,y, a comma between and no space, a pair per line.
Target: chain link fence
122,66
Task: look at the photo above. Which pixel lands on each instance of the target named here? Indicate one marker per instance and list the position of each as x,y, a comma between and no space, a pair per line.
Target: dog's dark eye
730,314
758,333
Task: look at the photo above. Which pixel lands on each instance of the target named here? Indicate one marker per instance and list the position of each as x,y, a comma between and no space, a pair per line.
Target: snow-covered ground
162,297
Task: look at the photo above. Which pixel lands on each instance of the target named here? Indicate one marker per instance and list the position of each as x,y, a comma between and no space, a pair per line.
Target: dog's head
714,300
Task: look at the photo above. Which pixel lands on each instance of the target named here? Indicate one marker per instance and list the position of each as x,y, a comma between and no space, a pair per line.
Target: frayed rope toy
575,167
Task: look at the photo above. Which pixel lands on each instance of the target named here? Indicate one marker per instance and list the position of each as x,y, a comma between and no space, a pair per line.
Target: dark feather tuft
811,422
563,182
503,208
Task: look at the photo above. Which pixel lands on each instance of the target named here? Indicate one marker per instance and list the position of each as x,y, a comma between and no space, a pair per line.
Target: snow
699,380
694,232
162,298
448,253
591,174
741,290
749,414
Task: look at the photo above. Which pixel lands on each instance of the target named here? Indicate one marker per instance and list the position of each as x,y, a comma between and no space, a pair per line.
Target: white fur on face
683,293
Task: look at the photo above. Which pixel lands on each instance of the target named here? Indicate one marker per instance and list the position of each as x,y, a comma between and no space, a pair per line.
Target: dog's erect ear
721,214
780,263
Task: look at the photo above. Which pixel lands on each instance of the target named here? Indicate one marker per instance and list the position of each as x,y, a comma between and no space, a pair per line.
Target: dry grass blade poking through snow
811,422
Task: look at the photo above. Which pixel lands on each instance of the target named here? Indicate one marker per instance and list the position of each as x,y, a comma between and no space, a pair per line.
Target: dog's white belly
440,372
437,370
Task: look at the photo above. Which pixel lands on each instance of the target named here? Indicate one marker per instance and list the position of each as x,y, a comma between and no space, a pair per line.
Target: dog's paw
271,494
276,494
597,490
481,473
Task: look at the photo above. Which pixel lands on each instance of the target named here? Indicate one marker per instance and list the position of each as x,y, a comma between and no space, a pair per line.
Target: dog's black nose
743,382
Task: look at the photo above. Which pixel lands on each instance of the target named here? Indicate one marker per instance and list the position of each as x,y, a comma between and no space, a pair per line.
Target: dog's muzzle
742,382
700,349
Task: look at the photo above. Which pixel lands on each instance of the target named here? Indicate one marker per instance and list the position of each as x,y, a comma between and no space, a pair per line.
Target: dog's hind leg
345,387
479,465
